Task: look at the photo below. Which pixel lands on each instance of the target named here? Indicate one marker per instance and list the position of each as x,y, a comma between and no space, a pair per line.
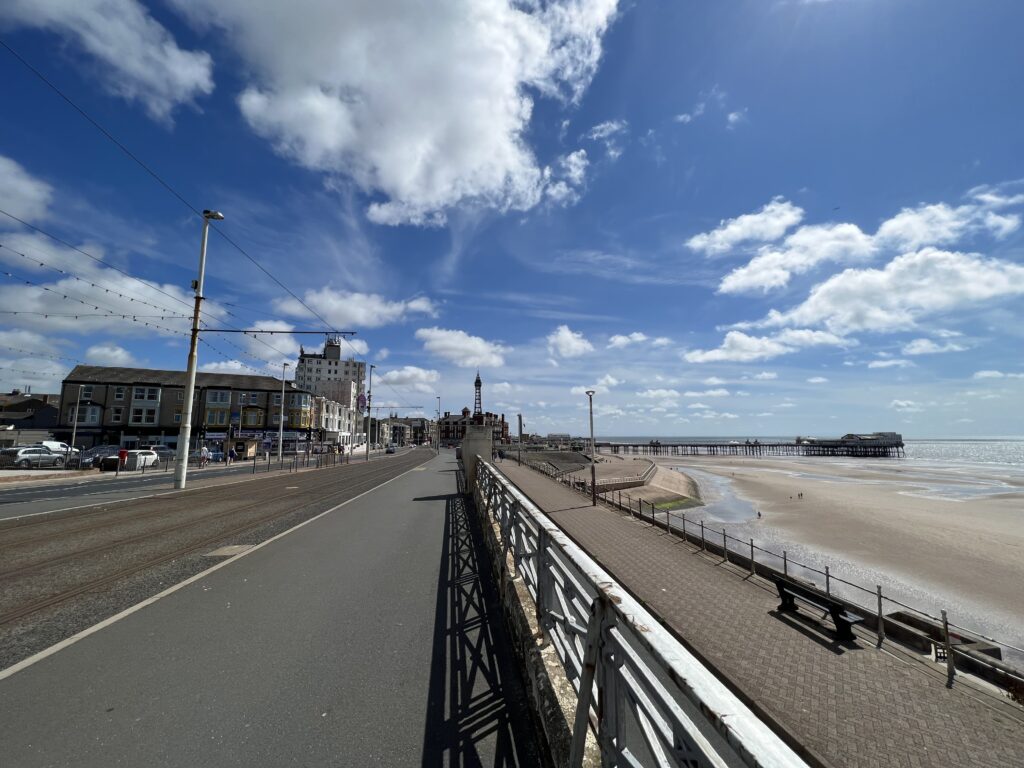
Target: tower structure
478,406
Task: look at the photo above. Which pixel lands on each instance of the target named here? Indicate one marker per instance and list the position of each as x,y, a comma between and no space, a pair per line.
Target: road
368,636
54,496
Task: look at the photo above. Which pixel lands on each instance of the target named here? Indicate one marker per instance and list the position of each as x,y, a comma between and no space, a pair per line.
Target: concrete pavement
366,637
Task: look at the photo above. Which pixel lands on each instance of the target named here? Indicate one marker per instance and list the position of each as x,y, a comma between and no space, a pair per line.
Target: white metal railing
648,700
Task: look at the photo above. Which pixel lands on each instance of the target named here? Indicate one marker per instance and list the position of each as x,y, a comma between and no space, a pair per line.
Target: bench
790,591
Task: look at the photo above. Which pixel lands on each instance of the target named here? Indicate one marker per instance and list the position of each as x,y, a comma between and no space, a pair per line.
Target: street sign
361,402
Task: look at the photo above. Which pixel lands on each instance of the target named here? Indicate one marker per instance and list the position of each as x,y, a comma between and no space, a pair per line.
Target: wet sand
956,534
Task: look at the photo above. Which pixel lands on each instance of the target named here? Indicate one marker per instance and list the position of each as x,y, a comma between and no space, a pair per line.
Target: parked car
390,449
57,447
95,455
164,452
30,457
145,458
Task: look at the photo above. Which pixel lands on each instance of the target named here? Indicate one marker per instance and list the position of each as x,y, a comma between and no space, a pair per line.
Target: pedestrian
204,456
501,455
232,456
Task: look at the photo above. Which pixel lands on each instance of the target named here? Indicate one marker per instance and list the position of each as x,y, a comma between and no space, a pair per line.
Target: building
29,412
139,406
326,373
410,430
453,426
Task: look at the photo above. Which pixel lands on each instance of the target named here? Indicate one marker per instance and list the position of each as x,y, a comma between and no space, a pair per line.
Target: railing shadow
477,710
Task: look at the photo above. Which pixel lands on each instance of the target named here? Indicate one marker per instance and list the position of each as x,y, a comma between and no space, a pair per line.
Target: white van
56,447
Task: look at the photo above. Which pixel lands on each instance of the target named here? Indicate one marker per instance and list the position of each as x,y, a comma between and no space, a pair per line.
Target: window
275,419
117,414
215,418
253,418
243,398
215,397
146,393
181,395
119,393
86,392
277,398
87,414
177,417
143,416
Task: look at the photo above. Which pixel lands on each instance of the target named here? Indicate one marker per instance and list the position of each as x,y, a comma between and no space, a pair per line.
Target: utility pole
369,397
74,429
437,426
185,434
280,418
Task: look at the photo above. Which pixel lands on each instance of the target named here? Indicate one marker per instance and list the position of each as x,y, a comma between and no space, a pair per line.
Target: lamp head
590,392
214,215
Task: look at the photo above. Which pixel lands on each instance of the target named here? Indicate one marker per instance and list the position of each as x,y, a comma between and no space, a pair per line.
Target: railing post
541,562
591,655
785,564
703,546
751,557
828,582
684,527
881,618
950,666
725,548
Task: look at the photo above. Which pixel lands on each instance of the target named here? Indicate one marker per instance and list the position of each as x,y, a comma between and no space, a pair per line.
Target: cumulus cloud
713,381
929,347
618,341
350,309
566,342
610,133
766,376
658,394
411,377
741,347
137,58
719,392
608,381
661,341
110,354
997,375
906,406
894,363
817,380
460,348
942,224
908,288
769,223
800,252
424,104
22,194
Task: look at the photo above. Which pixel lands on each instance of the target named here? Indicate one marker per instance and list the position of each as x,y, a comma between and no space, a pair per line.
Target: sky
736,218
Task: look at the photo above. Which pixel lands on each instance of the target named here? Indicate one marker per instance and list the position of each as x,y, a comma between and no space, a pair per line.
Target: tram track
335,490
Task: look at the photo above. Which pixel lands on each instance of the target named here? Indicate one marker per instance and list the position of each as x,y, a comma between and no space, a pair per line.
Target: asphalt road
54,496
369,636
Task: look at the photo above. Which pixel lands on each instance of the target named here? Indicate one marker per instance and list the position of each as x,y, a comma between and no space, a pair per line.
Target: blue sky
741,218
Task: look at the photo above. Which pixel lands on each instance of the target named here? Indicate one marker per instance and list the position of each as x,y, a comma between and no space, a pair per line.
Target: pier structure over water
873,445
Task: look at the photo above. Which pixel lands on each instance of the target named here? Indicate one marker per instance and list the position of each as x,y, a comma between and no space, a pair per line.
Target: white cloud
565,342
110,354
608,381
908,288
227,366
741,347
21,194
359,347
997,375
817,380
424,104
770,223
766,376
906,406
460,348
411,377
929,347
562,185
941,224
658,394
713,381
800,252
720,392
661,341
610,134
715,415
138,58
349,309
698,406
735,117
894,363
618,341
383,353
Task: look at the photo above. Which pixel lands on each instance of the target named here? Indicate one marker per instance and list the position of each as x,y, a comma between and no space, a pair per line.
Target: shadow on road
477,711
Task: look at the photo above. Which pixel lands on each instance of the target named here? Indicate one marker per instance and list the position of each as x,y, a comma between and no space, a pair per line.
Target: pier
873,445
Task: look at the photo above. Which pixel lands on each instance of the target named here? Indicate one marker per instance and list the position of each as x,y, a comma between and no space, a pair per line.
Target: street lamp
369,399
280,418
185,434
437,426
593,458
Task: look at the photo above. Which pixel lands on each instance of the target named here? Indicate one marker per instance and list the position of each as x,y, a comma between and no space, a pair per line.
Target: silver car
30,457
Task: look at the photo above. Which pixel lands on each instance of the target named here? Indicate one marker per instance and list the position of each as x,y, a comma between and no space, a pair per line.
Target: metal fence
647,699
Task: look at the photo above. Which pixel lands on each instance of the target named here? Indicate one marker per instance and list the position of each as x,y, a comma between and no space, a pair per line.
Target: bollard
828,582
703,546
785,564
881,619
950,666
751,557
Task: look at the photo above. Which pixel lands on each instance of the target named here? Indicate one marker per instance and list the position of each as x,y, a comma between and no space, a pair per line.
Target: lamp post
593,458
280,418
369,398
185,434
437,426
74,428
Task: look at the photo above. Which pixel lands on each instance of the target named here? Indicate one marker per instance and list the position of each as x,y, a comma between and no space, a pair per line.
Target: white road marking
67,642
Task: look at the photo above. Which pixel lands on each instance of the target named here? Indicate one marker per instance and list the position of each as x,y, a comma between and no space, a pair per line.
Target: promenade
847,705
369,635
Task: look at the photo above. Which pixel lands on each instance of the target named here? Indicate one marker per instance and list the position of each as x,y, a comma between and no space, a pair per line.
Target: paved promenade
849,705
368,636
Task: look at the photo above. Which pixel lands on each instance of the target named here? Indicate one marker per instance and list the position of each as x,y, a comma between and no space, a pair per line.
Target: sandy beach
942,537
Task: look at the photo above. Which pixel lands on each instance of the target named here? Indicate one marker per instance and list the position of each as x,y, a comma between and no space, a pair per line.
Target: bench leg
844,631
788,604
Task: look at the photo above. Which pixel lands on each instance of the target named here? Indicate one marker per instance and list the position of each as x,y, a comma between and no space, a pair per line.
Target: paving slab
849,705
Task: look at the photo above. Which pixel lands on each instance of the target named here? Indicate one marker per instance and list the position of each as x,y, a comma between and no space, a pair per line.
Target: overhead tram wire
37,261
138,161
43,354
